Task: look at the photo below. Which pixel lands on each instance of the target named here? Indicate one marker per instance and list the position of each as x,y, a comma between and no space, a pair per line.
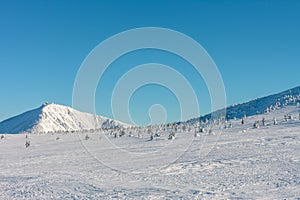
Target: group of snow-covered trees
198,127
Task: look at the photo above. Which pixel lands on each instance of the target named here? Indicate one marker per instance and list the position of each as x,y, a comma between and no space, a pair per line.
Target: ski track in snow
245,163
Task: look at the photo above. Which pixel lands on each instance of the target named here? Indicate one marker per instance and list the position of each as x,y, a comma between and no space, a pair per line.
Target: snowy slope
244,163
56,118
259,105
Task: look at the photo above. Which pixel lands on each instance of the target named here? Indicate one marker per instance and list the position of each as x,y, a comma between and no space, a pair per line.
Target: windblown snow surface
241,163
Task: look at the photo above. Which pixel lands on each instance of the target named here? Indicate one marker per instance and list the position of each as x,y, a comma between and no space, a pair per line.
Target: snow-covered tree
275,121
263,121
171,135
243,121
256,124
267,110
151,137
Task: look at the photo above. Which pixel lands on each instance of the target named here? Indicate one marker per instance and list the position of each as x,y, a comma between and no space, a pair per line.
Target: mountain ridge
59,118
256,106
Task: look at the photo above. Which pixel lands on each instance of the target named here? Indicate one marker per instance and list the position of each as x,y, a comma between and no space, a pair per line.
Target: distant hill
257,106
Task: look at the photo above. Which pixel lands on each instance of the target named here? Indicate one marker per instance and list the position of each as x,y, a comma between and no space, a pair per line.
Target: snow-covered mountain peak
56,118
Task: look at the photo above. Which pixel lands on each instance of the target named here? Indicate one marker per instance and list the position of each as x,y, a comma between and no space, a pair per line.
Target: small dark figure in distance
27,143
87,137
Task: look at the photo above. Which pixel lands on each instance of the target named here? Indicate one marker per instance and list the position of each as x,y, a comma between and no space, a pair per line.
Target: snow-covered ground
241,163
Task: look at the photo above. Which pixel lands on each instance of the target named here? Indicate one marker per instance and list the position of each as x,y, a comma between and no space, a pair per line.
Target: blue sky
255,44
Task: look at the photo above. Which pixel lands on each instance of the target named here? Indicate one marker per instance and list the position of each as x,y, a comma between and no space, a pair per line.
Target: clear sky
255,44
